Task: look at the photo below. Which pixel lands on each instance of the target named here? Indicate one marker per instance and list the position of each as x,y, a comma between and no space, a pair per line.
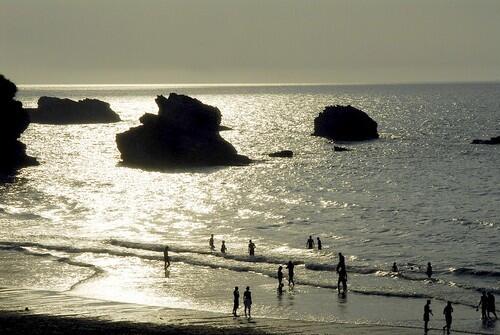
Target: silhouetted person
341,263
342,280
247,301
429,270
211,242
166,258
280,275
236,295
394,267
223,248
427,315
319,243
447,316
483,302
290,267
251,248
491,305
310,243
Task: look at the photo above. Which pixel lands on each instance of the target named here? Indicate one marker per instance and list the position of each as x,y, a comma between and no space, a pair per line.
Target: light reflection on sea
420,193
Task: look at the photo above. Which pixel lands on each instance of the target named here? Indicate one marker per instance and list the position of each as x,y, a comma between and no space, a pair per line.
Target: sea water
80,222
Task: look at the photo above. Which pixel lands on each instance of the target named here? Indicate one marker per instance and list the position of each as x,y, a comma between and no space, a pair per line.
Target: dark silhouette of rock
185,133
337,148
66,111
345,123
493,140
13,121
282,153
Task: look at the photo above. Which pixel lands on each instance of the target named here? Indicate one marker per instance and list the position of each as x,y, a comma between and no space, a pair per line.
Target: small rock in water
493,140
282,153
336,148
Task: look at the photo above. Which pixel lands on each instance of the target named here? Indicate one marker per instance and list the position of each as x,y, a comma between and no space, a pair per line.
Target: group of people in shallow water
223,248
487,301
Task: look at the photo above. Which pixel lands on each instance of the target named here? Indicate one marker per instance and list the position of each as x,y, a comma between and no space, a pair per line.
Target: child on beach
223,248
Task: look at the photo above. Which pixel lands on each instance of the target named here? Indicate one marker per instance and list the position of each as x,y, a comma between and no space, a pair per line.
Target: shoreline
52,312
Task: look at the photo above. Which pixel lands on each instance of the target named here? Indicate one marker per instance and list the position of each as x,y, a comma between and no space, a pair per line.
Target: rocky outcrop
282,154
66,111
493,140
185,133
13,122
345,123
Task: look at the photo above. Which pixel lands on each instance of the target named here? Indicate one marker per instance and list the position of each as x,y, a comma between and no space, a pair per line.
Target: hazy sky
249,41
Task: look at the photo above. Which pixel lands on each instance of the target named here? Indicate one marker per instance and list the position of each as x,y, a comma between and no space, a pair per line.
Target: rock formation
13,121
66,111
493,140
345,123
185,133
282,153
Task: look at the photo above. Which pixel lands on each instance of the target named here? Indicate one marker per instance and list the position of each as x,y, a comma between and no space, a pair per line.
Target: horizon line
253,84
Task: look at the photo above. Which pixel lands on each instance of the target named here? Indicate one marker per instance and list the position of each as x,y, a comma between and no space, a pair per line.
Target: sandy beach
60,313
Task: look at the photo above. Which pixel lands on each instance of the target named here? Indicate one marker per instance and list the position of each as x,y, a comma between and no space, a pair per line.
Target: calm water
81,222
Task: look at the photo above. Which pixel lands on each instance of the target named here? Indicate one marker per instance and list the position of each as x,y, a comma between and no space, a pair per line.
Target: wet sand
61,313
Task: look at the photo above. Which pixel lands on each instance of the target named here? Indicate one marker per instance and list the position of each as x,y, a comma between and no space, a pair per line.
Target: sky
249,41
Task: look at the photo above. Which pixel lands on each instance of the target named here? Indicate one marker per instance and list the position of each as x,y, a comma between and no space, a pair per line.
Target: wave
475,272
177,249
247,265
333,267
18,248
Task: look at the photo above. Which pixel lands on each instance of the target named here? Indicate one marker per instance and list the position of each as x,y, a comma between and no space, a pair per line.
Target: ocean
82,223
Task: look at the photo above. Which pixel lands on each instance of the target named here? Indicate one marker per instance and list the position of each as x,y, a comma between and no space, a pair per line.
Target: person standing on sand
447,316
483,302
223,248
247,301
319,243
394,268
211,242
491,305
310,242
290,267
429,270
427,314
166,258
280,275
236,295
251,248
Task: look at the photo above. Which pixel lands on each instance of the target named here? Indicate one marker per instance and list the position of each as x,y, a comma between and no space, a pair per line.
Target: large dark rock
66,111
13,122
493,140
185,133
345,123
